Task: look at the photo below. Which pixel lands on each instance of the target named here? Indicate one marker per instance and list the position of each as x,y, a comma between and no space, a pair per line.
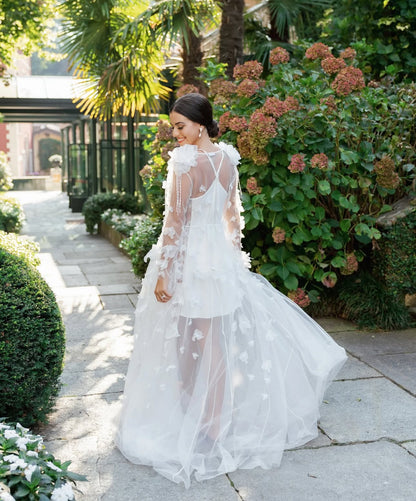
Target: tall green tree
24,26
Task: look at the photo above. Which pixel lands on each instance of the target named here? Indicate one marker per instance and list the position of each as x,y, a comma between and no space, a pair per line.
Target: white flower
63,493
4,426
197,335
29,472
267,365
243,357
53,466
32,454
10,434
195,356
15,462
5,496
21,443
231,152
182,349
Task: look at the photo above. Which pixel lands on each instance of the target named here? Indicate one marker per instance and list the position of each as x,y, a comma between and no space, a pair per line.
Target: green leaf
291,282
257,213
282,272
319,212
292,218
349,157
324,187
268,269
345,225
338,261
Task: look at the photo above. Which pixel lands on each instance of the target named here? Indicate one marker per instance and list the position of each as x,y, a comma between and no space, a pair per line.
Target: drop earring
200,132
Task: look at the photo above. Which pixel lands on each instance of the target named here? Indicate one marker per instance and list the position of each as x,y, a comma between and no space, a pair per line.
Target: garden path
366,448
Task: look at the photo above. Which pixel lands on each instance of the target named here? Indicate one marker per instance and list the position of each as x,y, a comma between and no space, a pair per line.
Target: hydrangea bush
28,471
323,155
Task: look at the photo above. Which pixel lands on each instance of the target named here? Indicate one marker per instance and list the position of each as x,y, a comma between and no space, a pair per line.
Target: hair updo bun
198,109
213,129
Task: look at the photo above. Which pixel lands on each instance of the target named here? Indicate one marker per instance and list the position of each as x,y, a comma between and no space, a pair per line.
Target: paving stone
78,280
109,266
144,484
368,409
320,441
70,270
336,324
354,369
119,288
110,278
366,472
116,302
410,446
94,382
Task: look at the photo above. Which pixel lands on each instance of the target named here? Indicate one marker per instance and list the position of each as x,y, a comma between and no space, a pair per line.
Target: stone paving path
366,449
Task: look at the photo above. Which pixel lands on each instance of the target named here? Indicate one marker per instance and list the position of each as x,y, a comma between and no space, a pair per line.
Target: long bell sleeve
177,199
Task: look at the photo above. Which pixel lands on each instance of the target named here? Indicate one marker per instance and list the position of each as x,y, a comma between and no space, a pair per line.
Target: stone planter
112,235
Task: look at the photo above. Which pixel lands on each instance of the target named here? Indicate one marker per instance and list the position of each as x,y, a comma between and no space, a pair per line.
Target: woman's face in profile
184,130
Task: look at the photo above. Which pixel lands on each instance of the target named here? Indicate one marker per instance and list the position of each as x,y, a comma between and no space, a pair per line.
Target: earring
200,132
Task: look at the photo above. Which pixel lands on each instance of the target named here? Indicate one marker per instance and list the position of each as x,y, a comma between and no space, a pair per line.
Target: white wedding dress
229,372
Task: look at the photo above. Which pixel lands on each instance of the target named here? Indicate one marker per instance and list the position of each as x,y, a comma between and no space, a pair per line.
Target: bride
226,371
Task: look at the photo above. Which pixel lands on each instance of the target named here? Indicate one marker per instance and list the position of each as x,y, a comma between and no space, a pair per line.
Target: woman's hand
161,290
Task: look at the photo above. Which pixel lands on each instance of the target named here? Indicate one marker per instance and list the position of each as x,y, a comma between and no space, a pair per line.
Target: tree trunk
231,33
191,59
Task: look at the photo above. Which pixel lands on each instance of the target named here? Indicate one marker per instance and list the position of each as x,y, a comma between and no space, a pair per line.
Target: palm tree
285,14
231,33
117,74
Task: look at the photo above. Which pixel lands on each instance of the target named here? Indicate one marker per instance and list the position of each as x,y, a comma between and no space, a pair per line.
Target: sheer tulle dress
229,372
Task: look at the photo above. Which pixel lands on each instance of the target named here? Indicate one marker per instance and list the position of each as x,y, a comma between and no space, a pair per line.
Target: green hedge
394,260
97,204
32,340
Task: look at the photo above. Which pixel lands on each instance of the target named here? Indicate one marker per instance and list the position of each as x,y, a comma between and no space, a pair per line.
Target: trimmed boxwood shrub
32,340
95,205
140,241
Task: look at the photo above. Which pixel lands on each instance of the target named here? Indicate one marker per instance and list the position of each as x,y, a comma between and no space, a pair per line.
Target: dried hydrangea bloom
278,235
332,64
330,103
318,51
186,89
348,53
320,160
247,88
250,69
279,55
275,107
387,177
351,265
297,163
252,186
348,80
300,297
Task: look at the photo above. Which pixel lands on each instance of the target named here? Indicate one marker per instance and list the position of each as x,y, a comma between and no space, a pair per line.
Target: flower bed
28,471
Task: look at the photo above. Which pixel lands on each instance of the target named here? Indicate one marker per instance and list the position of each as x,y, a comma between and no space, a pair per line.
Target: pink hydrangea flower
247,88
252,187
351,265
330,281
300,297
278,235
186,89
292,103
274,107
279,55
348,80
237,124
164,131
332,64
318,51
320,160
250,69
348,53
262,127
330,103
297,163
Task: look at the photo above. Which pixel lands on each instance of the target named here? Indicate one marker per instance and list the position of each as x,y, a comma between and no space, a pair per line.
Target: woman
226,371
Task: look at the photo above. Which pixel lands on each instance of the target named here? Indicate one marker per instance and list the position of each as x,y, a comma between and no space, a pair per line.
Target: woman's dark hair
198,109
